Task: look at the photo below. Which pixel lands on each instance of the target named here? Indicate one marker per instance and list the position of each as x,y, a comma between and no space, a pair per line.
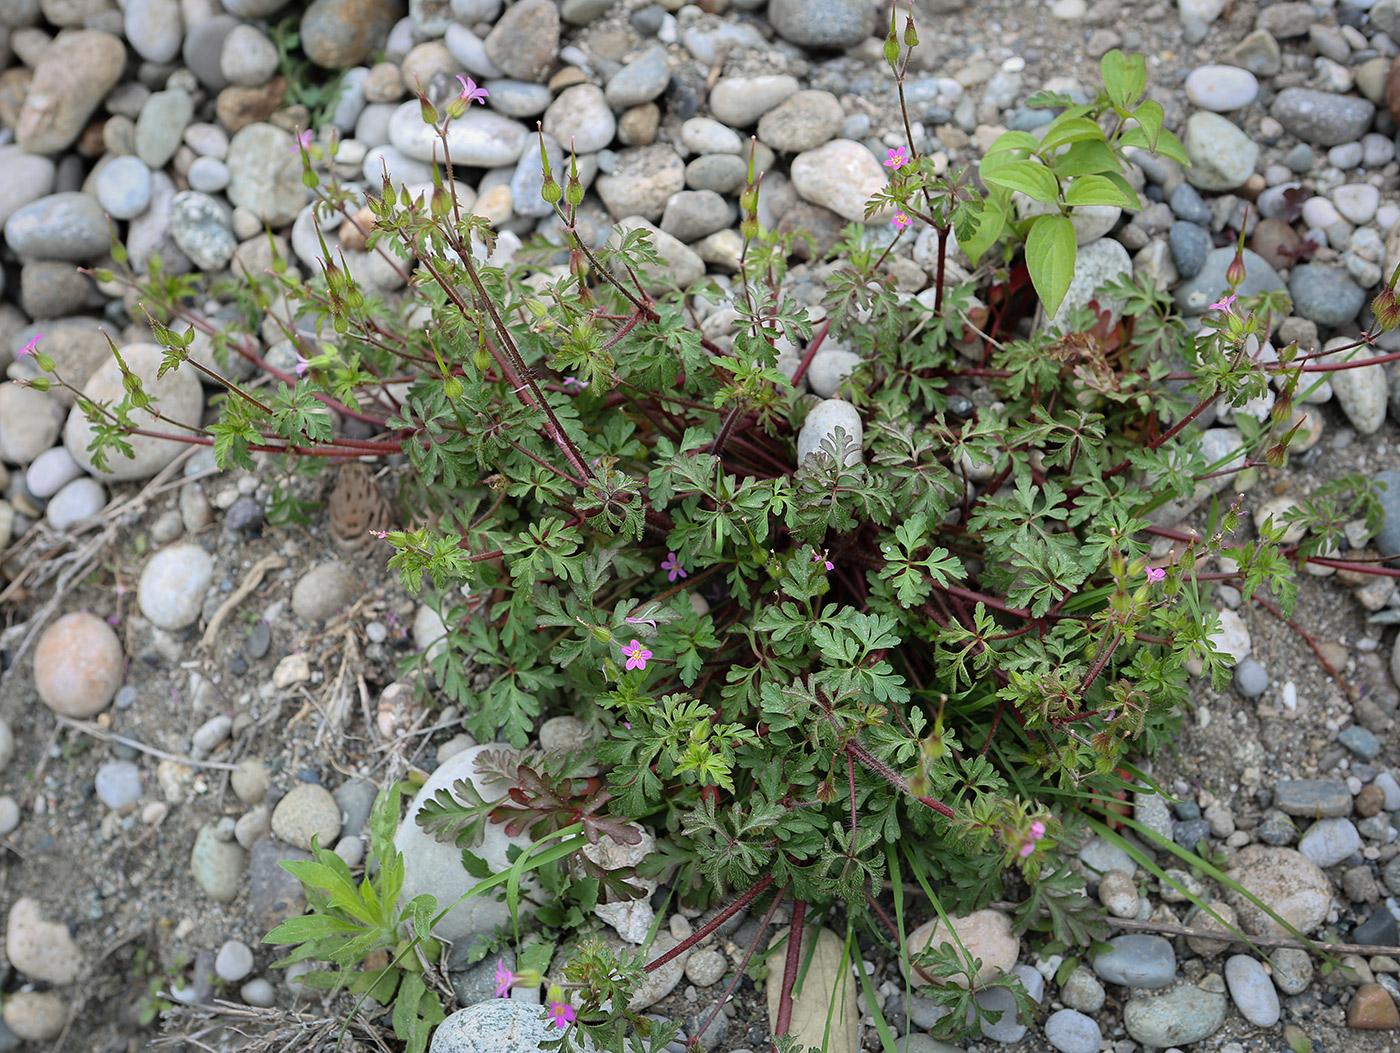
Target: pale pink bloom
302,141
641,621
1155,574
820,557
1226,304
637,655
31,347
900,221
575,384
562,1015
672,564
471,92
303,364
504,978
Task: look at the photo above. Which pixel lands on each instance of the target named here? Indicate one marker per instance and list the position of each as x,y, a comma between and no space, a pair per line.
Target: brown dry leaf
357,506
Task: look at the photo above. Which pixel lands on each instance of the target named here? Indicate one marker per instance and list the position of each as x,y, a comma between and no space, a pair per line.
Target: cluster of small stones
172,120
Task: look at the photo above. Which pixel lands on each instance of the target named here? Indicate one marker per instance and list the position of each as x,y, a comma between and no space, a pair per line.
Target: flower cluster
1034,834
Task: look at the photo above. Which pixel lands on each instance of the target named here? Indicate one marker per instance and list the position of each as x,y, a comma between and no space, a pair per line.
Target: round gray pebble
258,993
705,967
9,816
124,187
1251,678
1073,1032
208,175
234,962
119,785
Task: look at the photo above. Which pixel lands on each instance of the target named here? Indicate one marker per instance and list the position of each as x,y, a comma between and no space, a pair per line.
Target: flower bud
429,111
452,387
482,358
456,108
1386,309
574,192
891,49
551,191
749,229
442,201
1234,274
911,38
748,200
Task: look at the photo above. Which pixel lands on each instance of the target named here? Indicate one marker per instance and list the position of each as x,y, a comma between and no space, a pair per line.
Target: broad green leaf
1086,157
1168,145
1150,115
1124,77
310,927
1029,177
1010,142
1097,190
1050,251
1070,131
989,225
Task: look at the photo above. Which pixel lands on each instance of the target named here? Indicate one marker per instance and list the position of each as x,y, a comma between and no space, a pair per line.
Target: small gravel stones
173,584
234,961
1073,1032
118,785
1313,798
1291,884
1222,156
705,966
1252,990
1177,1018
78,665
41,950
217,864
1137,960
305,812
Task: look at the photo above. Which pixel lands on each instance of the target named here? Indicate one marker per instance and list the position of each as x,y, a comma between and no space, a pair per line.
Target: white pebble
234,961
258,993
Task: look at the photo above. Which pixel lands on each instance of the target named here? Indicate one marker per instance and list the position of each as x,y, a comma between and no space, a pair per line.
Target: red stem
790,967
719,919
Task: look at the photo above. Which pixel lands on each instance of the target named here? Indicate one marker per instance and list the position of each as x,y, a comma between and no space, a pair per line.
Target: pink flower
641,621
637,655
303,364
1226,304
673,564
561,1015
1037,830
896,158
575,384
820,557
31,347
900,221
380,534
471,92
1155,574
1027,849
302,141
504,978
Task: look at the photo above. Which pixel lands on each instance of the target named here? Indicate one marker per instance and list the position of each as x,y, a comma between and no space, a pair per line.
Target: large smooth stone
435,867
480,139
338,34
986,934
177,394
78,665
824,981
74,75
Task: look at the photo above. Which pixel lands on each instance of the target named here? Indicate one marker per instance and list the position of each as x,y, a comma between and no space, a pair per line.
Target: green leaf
310,927
1050,252
1087,157
1064,131
1097,190
1124,77
1029,177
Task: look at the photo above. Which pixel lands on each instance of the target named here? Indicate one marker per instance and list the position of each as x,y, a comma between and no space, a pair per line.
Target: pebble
7,745
173,584
1293,970
1137,960
1221,88
641,80
1082,991
63,226
78,502
1252,990
264,174
822,24
525,41
234,961
1391,789
1313,798
200,226
497,1025
1330,841
1363,393
124,187
161,126
740,101
986,934
217,864
1292,885
1073,1032
1222,155
830,368
248,58
42,950
805,120
1322,118
704,135
307,811
1372,1009
276,894
78,665
1119,894
154,29
258,992
1358,202
324,590
705,966
1190,245
821,424
1251,678
581,114
73,75
37,1016
1362,743
338,34
118,785
1178,1018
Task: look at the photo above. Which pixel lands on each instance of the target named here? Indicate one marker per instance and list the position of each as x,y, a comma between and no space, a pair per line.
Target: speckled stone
78,665
305,812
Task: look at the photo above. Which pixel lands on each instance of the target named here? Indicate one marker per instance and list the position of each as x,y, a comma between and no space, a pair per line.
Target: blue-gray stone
1251,678
124,187
1137,960
1073,1032
1300,159
1325,295
1190,833
1378,930
1024,119
1194,296
1275,828
200,226
518,98
1313,798
641,80
1187,810
1362,742
1186,203
356,800
474,982
1190,245
1322,118
1186,1015
822,23
1387,539
498,1025
66,226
